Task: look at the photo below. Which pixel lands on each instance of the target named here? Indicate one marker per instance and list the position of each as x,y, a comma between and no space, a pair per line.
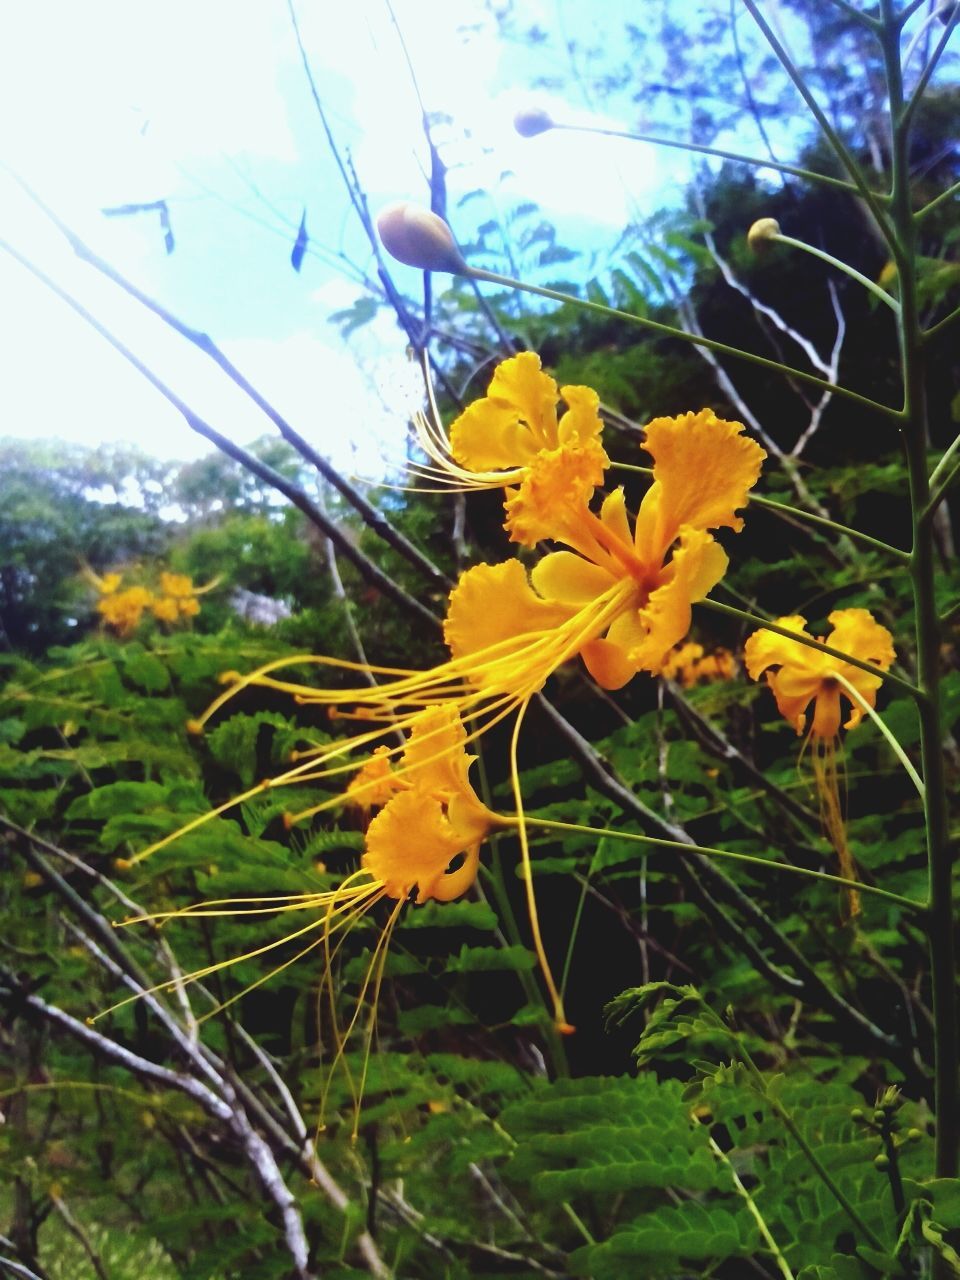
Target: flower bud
761,233
945,12
881,1163
419,238
531,121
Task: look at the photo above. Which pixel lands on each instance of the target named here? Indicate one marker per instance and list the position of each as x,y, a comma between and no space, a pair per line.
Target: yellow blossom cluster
689,664
123,609
608,586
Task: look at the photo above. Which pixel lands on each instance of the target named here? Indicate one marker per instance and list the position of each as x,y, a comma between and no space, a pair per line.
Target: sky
204,103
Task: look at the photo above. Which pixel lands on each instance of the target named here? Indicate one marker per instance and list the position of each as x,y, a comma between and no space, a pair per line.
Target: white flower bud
531,121
763,231
419,238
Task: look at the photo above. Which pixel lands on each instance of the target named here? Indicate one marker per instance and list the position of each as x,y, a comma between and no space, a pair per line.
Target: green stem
857,698
575,927
782,1265
631,837
843,154
938,328
799,514
940,919
813,643
905,111
668,331
944,462
936,202
736,156
934,500
819,1168
845,267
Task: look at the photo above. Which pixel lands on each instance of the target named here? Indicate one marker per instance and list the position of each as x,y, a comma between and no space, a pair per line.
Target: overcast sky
204,103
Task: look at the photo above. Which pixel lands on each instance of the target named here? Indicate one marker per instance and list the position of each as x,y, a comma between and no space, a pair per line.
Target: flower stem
668,331
855,696
631,837
813,643
915,433
737,157
852,272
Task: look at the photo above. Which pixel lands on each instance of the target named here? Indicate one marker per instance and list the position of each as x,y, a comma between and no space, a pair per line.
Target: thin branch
832,372
364,565
79,1234
920,87
707,880
846,158
368,513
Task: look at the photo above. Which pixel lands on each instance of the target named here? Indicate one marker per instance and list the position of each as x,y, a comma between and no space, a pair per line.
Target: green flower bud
881,1163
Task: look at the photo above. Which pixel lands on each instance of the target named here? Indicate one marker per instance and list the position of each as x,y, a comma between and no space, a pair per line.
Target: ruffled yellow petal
569,578
768,649
703,469
554,493
792,705
375,783
581,423
516,418
411,843
697,565
490,437
435,759
493,604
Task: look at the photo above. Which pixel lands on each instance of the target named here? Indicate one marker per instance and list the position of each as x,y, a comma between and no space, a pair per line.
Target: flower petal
553,496
491,605
569,578
613,514
792,706
697,565
768,649
411,842
490,437
703,469
608,663
581,423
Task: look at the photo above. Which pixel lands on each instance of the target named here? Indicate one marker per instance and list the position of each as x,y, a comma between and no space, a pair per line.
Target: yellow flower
166,609
123,610
179,597
803,675
496,439
620,598
689,664
436,817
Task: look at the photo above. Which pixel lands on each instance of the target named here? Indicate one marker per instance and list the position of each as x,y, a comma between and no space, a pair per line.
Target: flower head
419,238
123,610
621,597
799,674
498,438
689,664
434,817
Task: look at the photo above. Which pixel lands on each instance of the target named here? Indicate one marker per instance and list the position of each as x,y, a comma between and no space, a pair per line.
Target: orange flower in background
621,598
803,675
497,438
178,597
689,664
800,675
